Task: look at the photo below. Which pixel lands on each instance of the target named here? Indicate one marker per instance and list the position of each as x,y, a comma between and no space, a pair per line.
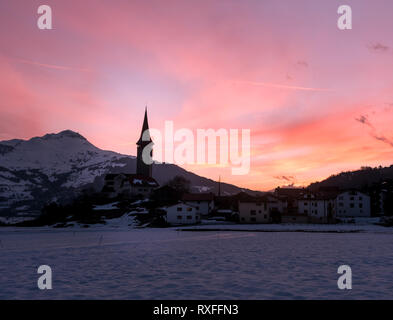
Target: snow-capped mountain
51,167
56,167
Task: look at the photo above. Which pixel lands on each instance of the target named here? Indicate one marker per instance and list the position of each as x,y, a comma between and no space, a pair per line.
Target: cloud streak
365,121
384,139
49,66
285,178
282,86
378,47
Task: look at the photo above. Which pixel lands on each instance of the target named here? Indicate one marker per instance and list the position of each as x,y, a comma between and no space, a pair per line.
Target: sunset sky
318,100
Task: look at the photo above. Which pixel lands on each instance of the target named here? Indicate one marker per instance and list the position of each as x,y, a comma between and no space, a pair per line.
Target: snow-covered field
126,263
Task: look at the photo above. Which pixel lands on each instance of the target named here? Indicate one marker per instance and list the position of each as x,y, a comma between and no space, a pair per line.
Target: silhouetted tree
180,184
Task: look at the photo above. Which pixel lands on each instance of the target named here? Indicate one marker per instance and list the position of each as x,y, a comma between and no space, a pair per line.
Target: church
142,182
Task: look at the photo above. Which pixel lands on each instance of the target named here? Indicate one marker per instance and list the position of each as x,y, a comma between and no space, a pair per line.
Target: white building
353,204
277,204
318,208
260,209
203,202
181,214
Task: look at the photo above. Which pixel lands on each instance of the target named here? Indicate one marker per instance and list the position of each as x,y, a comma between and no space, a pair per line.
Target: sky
317,100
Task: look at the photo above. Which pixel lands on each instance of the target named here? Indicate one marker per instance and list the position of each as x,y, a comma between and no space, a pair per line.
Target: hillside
359,179
56,167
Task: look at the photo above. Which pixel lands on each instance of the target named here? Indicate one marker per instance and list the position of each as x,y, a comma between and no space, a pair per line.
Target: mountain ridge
356,179
58,166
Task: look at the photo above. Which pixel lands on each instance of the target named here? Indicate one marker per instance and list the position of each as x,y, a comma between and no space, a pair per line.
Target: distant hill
359,179
56,167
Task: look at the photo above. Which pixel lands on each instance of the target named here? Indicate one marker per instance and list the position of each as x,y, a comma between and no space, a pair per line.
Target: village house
181,214
128,185
260,209
254,210
353,204
290,197
317,207
203,202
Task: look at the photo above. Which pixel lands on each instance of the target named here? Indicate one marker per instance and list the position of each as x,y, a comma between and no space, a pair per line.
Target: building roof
198,197
352,192
177,204
246,198
136,180
317,196
290,192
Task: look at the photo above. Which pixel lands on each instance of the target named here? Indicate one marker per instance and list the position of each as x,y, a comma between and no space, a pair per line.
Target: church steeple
145,127
141,167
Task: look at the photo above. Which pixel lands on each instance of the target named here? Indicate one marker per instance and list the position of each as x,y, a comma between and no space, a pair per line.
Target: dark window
189,209
179,209
265,216
253,212
179,217
253,219
351,205
189,217
360,205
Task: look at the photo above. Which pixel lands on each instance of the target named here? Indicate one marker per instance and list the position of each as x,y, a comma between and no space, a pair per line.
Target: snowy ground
359,226
119,262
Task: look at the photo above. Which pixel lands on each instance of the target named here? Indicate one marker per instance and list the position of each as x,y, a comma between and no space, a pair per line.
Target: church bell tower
142,168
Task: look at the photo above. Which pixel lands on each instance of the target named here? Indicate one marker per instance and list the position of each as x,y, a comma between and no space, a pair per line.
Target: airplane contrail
281,86
45,65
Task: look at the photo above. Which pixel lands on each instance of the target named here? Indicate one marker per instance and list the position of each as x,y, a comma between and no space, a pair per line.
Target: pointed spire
145,127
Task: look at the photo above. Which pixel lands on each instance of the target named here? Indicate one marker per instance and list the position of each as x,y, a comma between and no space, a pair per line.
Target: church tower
142,168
